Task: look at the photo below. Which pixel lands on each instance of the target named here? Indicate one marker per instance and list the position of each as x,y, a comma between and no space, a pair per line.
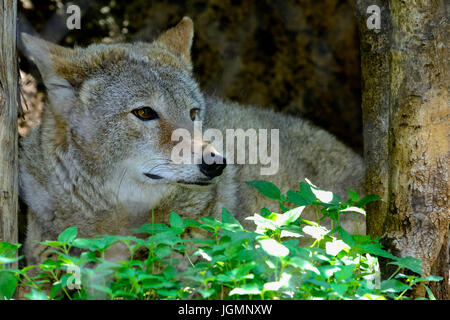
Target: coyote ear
43,53
47,56
179,38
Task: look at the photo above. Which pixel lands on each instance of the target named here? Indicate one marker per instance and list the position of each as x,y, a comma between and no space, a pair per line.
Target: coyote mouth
181,182
194,183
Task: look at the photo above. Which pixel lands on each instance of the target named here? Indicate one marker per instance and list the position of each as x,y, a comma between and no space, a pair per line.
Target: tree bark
8,122
406,131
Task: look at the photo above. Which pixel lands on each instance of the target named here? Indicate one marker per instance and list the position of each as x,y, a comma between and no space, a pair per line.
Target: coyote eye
145,113
193,113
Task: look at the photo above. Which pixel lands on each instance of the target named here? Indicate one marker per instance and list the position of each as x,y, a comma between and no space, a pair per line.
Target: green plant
229,263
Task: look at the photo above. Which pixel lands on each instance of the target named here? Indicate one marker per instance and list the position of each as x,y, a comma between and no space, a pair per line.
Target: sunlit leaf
246,289
68,235
289,216
336,246
36,295
274,248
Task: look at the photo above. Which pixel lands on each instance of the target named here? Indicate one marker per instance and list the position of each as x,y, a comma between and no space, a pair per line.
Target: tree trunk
406,128
8,122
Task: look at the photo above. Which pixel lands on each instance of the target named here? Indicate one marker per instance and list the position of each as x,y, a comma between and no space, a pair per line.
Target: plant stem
316,207
396,271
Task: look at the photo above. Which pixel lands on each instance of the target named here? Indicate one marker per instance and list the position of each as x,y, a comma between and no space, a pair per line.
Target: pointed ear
47,57
44,54
179,38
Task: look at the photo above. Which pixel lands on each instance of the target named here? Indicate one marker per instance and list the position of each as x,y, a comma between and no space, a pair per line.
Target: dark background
299,57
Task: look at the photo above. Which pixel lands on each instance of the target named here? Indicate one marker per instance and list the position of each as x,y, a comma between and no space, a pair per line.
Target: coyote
101,159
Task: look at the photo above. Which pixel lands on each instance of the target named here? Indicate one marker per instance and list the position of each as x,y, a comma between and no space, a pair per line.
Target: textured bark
406,128
8,123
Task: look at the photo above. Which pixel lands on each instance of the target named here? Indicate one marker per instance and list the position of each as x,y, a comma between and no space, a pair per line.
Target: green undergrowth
229,263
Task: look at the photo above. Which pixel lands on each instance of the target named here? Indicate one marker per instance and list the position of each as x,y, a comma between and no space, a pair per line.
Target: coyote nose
215,168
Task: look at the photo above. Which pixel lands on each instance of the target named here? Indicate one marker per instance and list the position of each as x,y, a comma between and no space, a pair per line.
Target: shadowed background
299,57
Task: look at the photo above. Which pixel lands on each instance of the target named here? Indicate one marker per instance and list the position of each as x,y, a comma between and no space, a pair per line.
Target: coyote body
101,159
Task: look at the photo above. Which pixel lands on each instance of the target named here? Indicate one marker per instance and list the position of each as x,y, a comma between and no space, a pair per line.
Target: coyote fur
101,157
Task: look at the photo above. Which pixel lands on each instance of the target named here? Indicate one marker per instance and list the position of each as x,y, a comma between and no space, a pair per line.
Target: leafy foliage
230,263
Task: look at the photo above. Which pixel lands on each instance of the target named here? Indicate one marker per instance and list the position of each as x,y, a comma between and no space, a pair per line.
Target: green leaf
331,212
354,209
231,221
191,223
361,239
36,295
335,247
368,199
167,293
152,228
154,282
430,294
56,288
274,248
101,288
328,270
175,220
176,223
103,243
345,273
265,213
410,263
162,251
263,222
291,231
303,264
210,223
225,277
8,252
48,265
340,288
289,216
297,198
124,294
8,284
170,272
83,243
206,293
325,197
244,271
377,250
430,278
344,235
353,195
68,235
169,237
246,289
316,231
319,283
266,188
305,190
393,286
51,243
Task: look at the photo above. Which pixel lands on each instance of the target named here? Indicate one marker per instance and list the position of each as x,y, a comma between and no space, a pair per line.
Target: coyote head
115,106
